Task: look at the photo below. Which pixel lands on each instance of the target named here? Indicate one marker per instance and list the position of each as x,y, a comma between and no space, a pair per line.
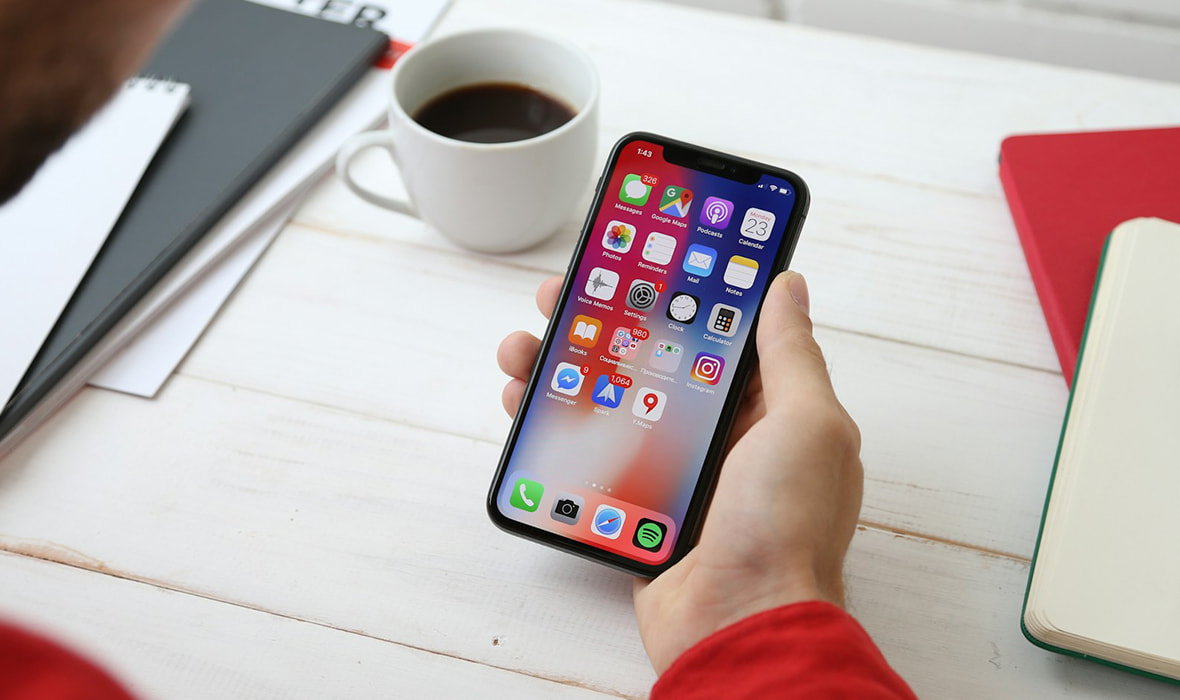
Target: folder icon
741,272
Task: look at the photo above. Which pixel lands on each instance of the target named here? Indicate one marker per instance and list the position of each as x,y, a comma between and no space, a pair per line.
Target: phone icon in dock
526,494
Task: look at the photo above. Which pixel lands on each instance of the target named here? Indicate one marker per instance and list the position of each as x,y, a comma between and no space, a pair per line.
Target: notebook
1105,579
146,361
262,77
51,231
1066,193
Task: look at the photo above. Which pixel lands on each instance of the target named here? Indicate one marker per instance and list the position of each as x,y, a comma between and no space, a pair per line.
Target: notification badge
707,368
649,404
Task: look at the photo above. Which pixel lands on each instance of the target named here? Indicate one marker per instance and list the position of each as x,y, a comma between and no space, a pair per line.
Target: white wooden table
300,513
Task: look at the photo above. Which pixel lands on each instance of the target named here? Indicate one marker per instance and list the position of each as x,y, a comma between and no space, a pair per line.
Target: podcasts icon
716,212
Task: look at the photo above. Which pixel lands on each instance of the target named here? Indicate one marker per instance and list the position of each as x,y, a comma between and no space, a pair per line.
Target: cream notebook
1105,580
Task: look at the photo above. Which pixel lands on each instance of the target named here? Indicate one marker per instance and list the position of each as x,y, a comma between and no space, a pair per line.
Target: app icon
608,522
649,404
649,535
602,283
676,201
584,331
741,272
623,345
642,295
683,307
665,356
707,368
526,494
607,394
716,212
724,320
758,224
618,236
567,508
659,248
699,260
634,190
567,379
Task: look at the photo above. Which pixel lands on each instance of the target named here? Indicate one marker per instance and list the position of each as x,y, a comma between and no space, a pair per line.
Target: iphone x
617,443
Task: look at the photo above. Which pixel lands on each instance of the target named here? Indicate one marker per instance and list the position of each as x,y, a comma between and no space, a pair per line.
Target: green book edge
1049,492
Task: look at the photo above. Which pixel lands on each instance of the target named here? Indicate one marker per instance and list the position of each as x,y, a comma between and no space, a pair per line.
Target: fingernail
798,287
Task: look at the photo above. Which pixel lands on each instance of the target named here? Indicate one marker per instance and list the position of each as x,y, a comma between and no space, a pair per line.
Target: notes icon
741,272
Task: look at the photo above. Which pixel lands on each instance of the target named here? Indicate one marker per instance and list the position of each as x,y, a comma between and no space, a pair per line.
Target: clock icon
683,307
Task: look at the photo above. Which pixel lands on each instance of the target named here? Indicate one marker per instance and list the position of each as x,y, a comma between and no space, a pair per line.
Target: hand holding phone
615,450
787,499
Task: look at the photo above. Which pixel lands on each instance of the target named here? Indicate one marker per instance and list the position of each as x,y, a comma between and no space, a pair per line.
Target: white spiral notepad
52,231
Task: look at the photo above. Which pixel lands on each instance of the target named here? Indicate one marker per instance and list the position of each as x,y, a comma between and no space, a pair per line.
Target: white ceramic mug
490,197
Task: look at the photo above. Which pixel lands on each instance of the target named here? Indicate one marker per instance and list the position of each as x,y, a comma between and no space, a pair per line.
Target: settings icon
642,295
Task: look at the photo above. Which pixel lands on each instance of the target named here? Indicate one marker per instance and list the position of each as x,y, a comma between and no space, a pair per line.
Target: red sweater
806,650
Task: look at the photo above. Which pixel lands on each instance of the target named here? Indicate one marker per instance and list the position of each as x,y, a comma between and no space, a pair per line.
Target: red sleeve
33,668
805,650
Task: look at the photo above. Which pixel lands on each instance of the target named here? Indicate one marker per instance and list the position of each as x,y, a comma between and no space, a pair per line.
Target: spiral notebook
261,78
51,231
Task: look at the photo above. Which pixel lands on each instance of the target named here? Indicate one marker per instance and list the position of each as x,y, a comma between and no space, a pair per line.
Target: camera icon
567,508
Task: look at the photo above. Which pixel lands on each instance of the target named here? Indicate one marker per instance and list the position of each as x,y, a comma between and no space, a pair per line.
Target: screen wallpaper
635,380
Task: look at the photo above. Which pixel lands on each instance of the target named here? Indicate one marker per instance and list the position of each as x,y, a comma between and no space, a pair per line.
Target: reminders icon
659,248
741,272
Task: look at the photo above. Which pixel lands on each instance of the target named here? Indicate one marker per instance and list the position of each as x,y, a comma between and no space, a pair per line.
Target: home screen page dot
644,354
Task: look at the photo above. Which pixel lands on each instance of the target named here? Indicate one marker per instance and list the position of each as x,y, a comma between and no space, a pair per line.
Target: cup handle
344,158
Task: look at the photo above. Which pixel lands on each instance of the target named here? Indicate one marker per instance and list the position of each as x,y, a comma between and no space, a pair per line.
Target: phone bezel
713,163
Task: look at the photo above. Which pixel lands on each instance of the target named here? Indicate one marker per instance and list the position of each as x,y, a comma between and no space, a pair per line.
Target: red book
1066,193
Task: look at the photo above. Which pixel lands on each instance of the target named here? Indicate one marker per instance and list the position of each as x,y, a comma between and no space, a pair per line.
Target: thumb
791,362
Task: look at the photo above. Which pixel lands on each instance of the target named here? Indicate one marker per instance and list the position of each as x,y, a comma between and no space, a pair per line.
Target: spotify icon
649,535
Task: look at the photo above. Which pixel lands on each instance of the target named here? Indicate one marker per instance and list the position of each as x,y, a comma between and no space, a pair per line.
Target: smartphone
617,444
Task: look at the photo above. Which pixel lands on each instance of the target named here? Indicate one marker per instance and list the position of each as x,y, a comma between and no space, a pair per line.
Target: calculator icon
724,320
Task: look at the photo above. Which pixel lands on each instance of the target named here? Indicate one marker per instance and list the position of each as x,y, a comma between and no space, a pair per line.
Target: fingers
517,353
547,295
512,396
791,362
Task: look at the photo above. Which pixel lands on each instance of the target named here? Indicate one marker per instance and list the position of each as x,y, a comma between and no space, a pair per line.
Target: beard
60,61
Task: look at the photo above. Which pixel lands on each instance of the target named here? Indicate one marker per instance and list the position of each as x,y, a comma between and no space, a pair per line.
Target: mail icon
699,260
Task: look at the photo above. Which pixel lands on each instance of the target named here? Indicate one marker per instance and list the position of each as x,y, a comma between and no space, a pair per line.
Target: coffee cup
499,196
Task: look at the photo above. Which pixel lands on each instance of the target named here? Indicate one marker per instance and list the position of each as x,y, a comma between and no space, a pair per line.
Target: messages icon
635,190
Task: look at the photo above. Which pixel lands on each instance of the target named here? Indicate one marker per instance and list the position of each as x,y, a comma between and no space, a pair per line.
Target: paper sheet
52,230
146,363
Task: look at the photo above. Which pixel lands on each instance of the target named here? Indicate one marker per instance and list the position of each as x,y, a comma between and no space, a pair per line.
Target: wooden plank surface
316,473
375,527
418,347
161,644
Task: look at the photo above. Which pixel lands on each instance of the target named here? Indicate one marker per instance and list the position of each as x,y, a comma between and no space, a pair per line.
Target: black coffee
493,113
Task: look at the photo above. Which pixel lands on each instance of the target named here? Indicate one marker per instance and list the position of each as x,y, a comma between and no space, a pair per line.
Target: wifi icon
649,535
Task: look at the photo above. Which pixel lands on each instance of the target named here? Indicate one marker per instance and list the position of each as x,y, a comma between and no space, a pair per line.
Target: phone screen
640,361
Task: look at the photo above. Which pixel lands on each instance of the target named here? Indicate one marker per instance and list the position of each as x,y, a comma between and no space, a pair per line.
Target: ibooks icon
584,331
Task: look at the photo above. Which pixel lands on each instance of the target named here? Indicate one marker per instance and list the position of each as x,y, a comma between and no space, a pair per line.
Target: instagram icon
707,368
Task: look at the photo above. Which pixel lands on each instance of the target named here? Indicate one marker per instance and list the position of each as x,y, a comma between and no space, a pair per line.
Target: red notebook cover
1066,193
